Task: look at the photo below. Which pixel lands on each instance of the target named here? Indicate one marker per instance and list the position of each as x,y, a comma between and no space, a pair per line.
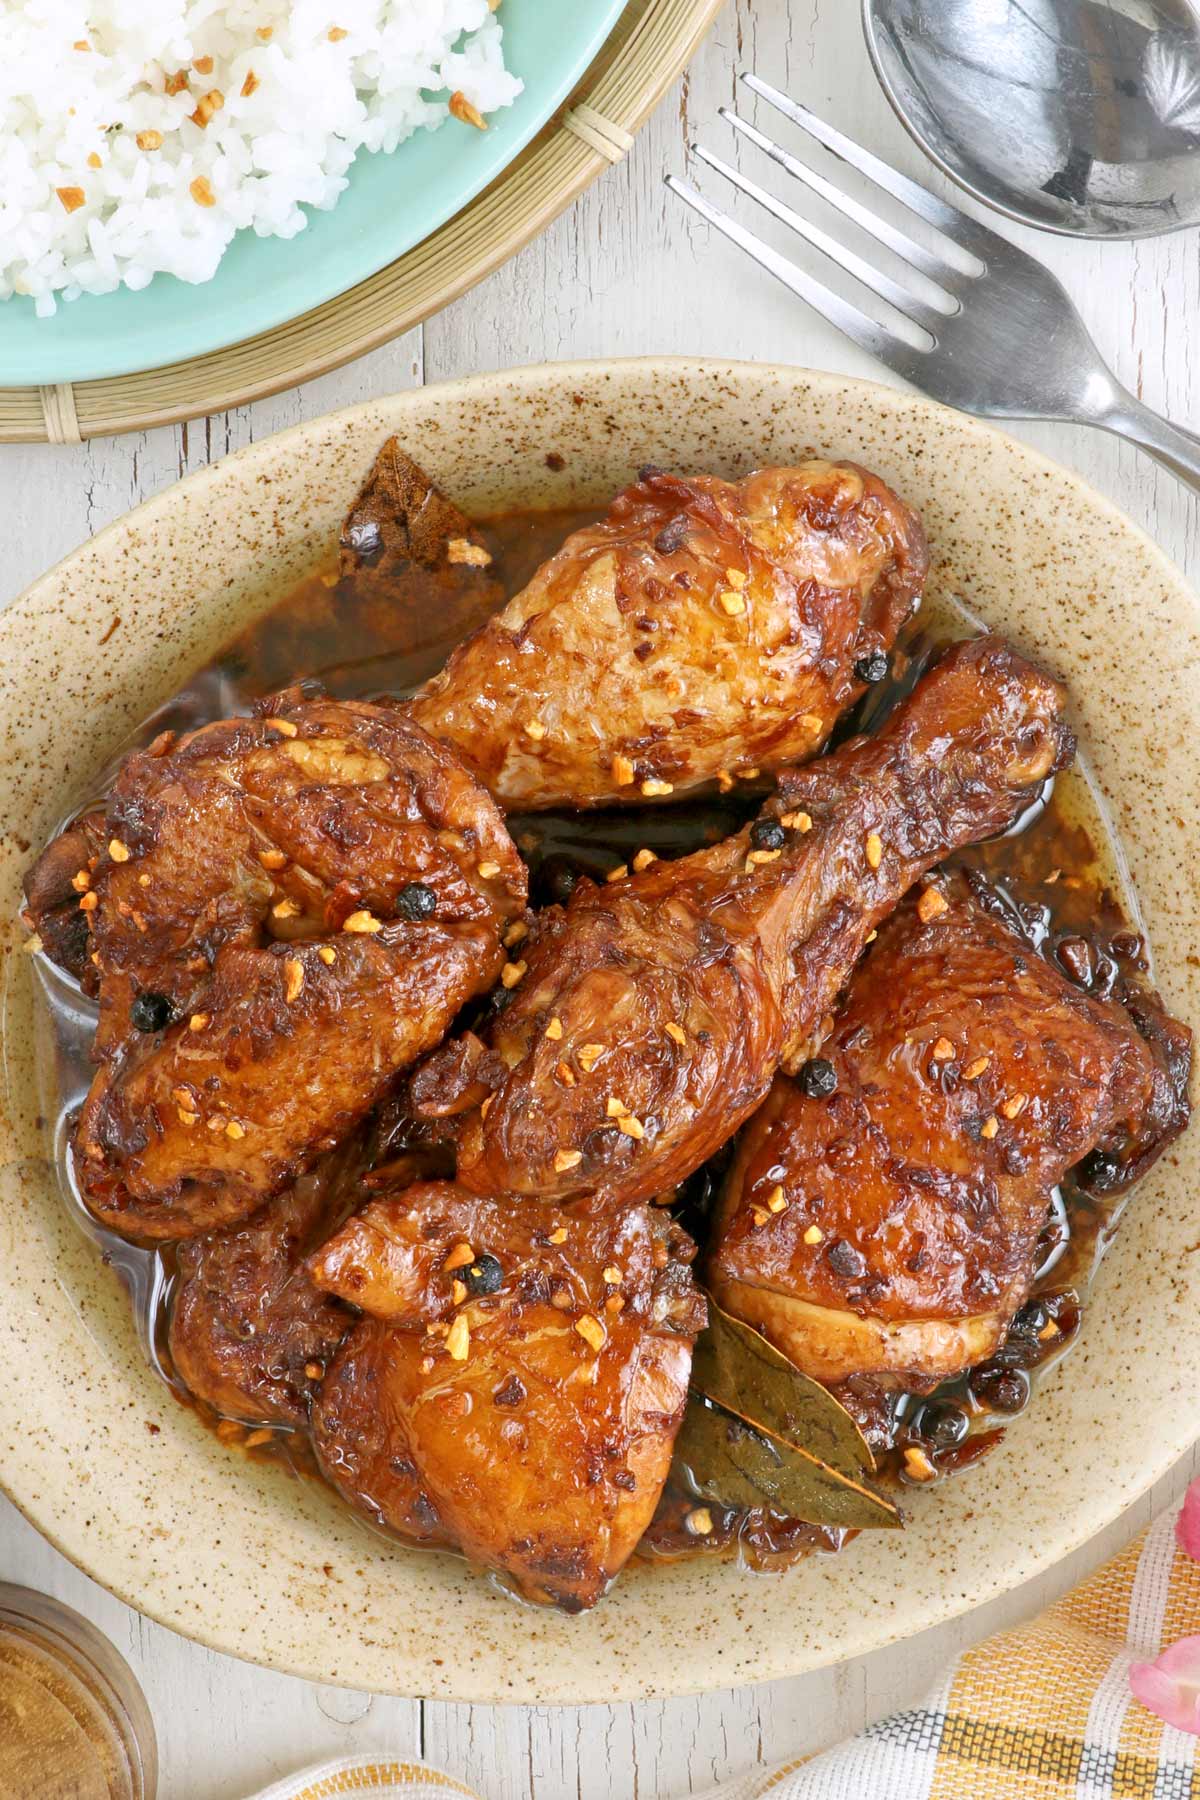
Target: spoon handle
1176,449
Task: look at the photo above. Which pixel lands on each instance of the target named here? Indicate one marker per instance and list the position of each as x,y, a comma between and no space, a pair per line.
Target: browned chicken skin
890,1227
517,1384
655,1010
289,910
702,625
250,1333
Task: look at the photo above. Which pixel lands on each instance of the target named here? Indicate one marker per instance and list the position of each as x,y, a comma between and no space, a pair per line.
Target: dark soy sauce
1060,872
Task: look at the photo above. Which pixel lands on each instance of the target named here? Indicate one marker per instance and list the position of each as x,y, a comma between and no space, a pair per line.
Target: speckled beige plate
129,1485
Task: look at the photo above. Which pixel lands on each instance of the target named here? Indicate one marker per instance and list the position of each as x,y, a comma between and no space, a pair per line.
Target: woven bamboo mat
650,45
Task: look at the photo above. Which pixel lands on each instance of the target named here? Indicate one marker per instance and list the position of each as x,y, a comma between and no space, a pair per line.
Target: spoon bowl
1080,117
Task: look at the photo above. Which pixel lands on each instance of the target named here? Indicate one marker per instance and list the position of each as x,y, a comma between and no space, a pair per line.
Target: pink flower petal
1187,1525
1170,1685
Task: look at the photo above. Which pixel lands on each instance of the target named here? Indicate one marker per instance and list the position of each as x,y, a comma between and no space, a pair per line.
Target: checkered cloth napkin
1045,1712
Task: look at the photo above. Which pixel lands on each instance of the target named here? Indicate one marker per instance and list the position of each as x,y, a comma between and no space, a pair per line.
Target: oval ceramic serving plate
139,1493
392,203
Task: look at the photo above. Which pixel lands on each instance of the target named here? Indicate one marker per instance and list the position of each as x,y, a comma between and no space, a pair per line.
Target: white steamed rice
295,88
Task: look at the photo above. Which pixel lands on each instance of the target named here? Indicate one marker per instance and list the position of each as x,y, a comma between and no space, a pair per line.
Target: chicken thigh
288,911
517,1383
648,1019
882,1214
702,626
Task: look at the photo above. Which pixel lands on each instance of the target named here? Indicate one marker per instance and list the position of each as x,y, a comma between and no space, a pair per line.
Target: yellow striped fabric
1043,1712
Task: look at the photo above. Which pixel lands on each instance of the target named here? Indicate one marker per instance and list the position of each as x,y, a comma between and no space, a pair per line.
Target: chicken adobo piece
287,911
703,626
402,1166
516,1385
649,1017
883,1210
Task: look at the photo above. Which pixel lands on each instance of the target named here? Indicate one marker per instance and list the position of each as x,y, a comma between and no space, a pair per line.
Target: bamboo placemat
650,45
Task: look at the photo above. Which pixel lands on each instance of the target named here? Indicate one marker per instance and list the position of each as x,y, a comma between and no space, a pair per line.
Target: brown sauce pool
1060,871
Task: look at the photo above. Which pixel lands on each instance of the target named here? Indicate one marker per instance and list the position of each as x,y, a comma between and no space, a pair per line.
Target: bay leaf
779,1439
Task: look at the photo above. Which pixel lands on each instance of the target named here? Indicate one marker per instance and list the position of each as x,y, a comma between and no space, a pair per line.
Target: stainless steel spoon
1078,116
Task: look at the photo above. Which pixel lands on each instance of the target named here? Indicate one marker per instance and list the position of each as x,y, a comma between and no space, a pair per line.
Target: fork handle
1176,449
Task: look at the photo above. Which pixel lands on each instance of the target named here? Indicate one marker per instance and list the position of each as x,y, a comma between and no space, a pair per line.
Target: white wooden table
625,272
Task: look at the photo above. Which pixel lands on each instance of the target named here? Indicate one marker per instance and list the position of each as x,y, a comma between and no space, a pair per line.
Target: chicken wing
648,1019
250,1333
289,910
702,625
882,1213
517,1384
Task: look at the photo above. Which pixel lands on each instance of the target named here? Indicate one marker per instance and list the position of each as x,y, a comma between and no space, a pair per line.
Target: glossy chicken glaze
650,1016
890,1227
251,882
517,1382
702,626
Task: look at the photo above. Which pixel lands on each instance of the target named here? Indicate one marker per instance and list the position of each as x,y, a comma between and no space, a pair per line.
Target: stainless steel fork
983,327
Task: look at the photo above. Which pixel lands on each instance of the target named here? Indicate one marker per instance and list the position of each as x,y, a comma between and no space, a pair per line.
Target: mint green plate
392,203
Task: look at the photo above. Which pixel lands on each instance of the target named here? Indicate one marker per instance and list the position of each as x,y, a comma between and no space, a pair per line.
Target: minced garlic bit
336,33
591,1331
796,821
272,859
724,780
675,1032
186,1117
149,140
458,1291
559,1235
975,1068
737,578
990,1127
588,1056
776,1200
564,1160
732,603
458,1339
763,856
554,1029
462,109
699,1521
362,922
283,726
1014,1106
874,849
516,931
613,1275
748,774
633,1128
511,973
643,859
489,870
81,881
462,550
71,198
622,770
917,1465
117,850
234,1130
90,901
32,944
814,1235
201,191
615,1303
653,788
207,107
535,729
565,1073
459,1257
1049,1330
619,873
931,905
198,1021
812,721
485,1107
616,1109
293,968
284,909
327,954
943,1050
250,84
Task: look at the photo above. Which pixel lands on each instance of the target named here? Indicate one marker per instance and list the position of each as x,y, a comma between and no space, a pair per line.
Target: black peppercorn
845,1260
1099,1170
416,901
483,1276
873,667
999,1389
942,1423
1031,1321
767,834
817,1078
150,1012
